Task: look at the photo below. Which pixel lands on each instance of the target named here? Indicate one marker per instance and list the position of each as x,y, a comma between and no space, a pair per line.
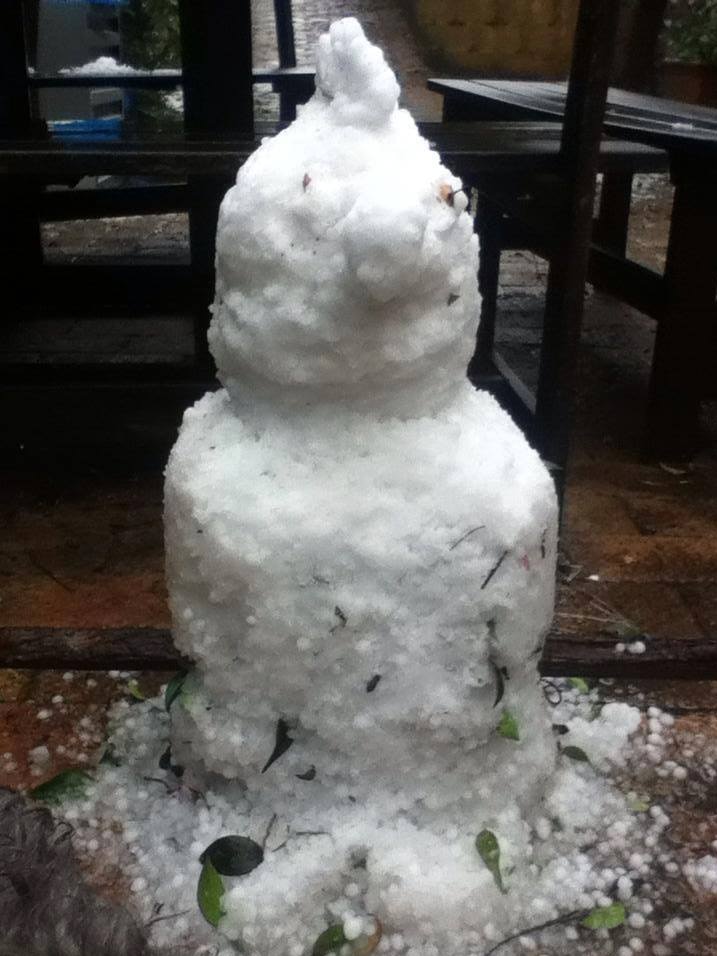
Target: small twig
163,782
466,535
568,918
158,919
49,573
585,617
298,833
493,570
268,831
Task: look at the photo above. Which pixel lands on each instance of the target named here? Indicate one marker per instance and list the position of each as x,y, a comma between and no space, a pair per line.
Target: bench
217,81
478,154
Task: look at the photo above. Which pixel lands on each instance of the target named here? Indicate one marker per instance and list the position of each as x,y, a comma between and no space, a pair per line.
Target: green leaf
233,855
605,917
134,691
508,726
489,851
575,753
65,785
174,689
639,806
210,892
579,684
330,941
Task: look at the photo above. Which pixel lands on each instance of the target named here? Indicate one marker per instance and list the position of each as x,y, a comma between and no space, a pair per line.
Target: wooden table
682,300
517,148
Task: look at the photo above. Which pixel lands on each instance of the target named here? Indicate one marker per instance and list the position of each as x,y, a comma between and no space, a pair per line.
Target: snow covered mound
354,77
346,263
360,548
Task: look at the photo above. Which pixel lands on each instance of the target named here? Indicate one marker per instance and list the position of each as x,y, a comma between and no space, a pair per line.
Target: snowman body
360,547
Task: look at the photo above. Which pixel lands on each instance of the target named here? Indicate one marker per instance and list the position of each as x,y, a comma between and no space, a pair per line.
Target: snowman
360,546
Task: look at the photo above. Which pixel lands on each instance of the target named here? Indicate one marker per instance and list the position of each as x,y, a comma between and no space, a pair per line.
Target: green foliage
330,941
134,692
605,917
575,753
691,32
174,689
65,785
489,851
150,34
210,892
580,684
508,726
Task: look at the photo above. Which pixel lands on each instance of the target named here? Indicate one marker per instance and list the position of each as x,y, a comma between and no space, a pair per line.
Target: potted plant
690,68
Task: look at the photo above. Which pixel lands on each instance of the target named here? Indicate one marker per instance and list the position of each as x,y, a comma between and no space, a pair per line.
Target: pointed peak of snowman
353,76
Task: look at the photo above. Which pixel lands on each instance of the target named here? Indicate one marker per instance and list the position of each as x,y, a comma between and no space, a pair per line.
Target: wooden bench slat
281,79
467,148
147,648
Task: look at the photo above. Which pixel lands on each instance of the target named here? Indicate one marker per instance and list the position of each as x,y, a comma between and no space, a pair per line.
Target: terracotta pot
689,82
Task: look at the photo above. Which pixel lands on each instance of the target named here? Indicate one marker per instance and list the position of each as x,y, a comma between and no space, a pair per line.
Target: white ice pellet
39,755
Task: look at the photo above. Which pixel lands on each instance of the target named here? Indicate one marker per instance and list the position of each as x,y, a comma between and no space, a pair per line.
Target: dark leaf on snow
283,742
233,855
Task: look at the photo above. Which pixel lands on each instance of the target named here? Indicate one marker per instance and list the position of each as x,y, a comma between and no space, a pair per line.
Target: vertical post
217,68
286,48
488,223
20,239
285,33
580,144
14,93
613,220
218,104
686,332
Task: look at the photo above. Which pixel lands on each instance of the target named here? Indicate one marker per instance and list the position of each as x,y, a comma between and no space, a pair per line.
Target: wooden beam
216,67
81,203
148,648
580,151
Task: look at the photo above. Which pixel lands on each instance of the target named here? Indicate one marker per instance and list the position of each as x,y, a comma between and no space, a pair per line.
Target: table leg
206,194
488,221
684,345
610,229
20,246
